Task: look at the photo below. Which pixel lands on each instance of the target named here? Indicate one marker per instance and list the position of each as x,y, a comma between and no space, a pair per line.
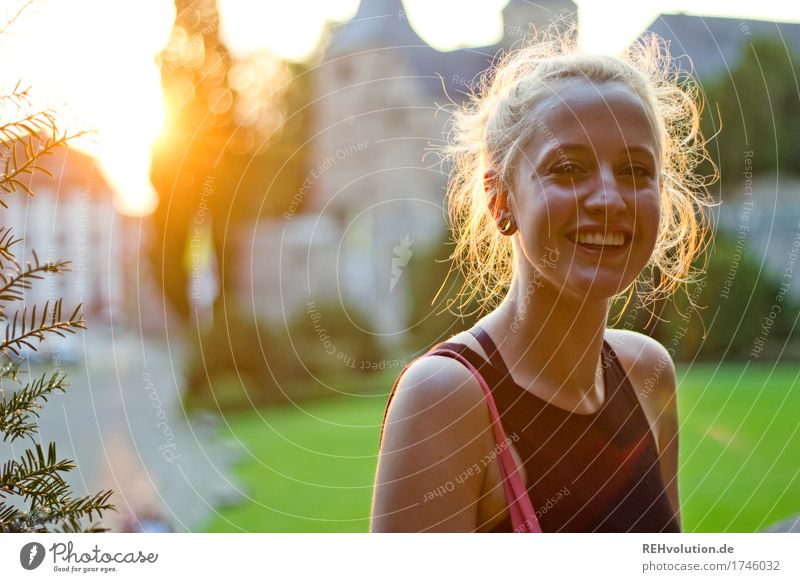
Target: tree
228,151
34,496
758,107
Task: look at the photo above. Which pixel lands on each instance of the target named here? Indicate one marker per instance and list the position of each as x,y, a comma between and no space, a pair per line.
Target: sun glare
95,65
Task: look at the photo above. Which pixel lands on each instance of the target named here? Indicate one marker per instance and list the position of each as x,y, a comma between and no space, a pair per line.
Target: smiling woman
573,184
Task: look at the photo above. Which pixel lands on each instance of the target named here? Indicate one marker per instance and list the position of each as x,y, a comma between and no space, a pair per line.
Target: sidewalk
791,525
121,422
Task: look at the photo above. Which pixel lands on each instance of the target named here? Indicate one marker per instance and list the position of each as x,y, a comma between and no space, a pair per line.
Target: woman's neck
551,339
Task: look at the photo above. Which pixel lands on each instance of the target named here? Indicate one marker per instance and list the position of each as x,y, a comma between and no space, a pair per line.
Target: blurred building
764,220
373,197
73,216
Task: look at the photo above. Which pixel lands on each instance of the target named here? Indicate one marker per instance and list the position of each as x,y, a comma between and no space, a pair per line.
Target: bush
434,286
244,363
735,298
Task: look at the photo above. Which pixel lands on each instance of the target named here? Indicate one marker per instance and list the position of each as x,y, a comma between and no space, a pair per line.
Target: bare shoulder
437,427
648,363
436,382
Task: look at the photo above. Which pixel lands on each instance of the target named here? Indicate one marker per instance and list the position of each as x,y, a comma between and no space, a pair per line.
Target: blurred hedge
243,363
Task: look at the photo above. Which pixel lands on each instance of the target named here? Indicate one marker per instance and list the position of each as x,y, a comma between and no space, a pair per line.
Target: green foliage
34,497
753,108
734,298
242,363
759,110
434,286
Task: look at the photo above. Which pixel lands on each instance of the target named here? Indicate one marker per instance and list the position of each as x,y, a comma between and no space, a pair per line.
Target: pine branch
35,478
87,506
36,475
17,412
14,18
26,327
10,180
16,98
30,125
7,241
9,514
32,136
13,284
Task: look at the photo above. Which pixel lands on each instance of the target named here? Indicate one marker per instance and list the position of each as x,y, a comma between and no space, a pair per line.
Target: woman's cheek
649,223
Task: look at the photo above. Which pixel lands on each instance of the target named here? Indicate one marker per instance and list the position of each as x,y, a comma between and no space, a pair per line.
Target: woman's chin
597,286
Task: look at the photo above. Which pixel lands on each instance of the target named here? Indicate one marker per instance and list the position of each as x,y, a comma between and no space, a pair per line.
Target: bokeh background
258,231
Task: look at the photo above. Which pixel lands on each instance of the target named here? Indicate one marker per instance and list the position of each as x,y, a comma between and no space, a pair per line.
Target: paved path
121,421
791,525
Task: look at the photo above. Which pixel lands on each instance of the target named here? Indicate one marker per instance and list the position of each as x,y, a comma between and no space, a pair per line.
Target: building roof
71,169
377,24
381,25
709,45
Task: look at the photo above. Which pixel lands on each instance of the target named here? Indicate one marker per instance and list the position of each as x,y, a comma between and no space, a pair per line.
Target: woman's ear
497,197
497,200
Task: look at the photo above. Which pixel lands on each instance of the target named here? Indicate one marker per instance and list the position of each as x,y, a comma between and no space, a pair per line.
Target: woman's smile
609,242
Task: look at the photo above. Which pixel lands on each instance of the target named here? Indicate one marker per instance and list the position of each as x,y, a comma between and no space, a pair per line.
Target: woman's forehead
582,110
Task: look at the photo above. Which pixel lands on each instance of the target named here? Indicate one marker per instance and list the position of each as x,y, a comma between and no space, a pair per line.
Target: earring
506,226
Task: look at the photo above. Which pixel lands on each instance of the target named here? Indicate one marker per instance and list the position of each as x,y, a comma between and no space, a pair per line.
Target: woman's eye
637,171
566,168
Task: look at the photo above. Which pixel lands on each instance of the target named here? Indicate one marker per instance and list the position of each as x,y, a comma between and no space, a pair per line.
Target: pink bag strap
520,508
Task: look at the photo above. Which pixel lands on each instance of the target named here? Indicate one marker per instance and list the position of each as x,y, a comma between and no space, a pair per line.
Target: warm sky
94,60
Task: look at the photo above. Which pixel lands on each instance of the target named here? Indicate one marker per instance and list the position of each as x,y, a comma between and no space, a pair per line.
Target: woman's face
585,190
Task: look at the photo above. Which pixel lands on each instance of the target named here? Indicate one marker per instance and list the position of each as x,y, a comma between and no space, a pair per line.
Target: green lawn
310,468
740,446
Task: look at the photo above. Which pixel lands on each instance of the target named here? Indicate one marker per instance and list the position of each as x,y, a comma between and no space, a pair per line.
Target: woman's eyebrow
640,149
554,149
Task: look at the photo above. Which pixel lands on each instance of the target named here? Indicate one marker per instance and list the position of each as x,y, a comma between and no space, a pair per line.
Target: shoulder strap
488,346
523,516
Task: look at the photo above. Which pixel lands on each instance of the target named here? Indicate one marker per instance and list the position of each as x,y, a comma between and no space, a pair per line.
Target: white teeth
608,239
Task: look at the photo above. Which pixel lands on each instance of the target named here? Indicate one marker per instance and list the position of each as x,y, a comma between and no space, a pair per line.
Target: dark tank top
585,472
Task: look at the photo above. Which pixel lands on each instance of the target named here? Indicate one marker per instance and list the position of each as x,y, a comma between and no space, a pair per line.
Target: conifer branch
26,326
17,413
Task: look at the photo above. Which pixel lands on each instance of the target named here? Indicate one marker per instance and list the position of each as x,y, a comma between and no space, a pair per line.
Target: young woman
572,185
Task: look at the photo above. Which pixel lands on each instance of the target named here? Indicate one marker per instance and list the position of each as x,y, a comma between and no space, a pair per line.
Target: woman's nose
605,197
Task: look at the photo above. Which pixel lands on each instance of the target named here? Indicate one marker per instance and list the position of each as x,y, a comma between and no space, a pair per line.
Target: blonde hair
493,127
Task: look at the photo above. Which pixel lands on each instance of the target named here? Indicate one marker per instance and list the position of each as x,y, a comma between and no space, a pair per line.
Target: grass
740,446
310,469
307,468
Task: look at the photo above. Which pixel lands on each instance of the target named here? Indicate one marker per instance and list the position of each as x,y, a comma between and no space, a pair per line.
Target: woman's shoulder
651,372
441,382
437,425
648,364
431,378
